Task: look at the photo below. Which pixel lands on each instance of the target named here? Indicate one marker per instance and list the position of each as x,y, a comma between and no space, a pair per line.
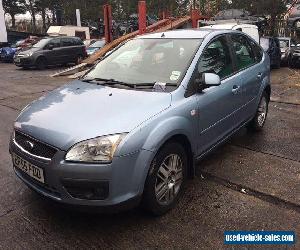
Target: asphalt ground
250,183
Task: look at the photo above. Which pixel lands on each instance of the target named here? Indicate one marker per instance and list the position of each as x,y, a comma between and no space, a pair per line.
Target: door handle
235,89
259,75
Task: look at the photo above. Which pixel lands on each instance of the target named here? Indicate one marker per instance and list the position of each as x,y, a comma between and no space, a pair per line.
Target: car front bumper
120,183
24,61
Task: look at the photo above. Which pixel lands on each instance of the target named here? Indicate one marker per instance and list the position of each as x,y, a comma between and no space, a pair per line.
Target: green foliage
14,7
93,10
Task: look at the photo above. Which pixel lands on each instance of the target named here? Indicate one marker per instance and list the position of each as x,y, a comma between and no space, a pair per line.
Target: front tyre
165,180
41,63
259,120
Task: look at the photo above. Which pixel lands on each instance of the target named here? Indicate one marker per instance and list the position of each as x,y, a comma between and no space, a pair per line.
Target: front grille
34,147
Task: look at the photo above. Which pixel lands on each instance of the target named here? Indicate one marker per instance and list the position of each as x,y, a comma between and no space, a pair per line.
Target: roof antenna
163,35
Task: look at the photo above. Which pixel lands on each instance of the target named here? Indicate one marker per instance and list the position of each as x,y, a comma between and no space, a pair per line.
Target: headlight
28,54
100,149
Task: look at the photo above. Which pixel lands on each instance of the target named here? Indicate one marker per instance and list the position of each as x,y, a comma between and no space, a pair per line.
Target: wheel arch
184,141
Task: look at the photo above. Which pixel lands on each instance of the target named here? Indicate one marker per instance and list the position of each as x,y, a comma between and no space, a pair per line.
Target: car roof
231,25
185,33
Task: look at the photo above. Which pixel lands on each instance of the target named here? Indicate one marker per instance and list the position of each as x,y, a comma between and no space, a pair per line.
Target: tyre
41,63
165,180
79,59
259,120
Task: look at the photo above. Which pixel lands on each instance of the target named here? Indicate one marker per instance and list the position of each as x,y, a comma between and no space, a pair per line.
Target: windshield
98,44
284,43
264,42
141,61
41,43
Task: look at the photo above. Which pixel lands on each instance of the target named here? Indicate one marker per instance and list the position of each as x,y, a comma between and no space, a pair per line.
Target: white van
82,32
250,29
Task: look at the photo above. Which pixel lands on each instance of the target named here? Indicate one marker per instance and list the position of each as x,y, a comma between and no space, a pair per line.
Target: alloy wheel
262,111
169,179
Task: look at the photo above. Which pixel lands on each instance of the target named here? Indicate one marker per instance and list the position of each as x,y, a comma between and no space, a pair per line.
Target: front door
217,106
53,55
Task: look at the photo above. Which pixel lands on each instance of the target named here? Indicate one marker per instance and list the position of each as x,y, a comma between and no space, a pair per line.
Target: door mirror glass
210,80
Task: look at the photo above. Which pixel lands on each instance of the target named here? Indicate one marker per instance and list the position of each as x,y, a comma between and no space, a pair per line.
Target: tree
14,7
32,8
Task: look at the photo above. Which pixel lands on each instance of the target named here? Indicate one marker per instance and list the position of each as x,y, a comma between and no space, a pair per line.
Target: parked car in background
295,57
249,29
130,132
7,53
52,51
95,47
89,42
294,17
286,46
271,45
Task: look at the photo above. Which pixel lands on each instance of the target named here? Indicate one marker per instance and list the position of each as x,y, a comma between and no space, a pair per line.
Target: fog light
87,190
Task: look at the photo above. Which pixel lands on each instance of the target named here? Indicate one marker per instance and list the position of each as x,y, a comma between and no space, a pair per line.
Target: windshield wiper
107,82
152,84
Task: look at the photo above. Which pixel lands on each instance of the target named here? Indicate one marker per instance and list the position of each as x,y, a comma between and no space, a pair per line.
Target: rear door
68,49
249,73
217,106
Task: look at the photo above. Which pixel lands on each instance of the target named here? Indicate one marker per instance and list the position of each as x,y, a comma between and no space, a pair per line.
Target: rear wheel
259,120
41,63
79,59
165,179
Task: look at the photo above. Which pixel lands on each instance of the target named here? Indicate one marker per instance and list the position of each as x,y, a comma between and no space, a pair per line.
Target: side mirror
210,80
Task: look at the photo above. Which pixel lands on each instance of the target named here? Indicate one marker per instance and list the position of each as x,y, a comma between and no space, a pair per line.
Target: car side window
55,43
257,50
245,56
216,59
66,42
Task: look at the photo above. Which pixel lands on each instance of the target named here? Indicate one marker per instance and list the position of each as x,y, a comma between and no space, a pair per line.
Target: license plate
26,167
17,60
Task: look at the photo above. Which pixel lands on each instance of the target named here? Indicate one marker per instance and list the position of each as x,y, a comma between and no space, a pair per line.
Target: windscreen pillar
195,16
107,16
142,17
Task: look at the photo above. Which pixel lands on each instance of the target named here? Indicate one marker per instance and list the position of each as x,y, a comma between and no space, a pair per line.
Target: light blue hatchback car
130,130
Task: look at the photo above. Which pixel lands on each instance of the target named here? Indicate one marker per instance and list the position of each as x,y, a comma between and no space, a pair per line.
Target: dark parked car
51,51
272,46
295,57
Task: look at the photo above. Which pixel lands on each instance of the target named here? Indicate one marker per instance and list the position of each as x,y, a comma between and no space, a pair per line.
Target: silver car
132,128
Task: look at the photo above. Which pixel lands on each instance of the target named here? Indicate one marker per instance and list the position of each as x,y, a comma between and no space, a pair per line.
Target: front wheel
259,120
165,179
41,63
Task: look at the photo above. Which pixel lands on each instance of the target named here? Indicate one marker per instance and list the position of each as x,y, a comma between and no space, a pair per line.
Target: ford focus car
130,130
